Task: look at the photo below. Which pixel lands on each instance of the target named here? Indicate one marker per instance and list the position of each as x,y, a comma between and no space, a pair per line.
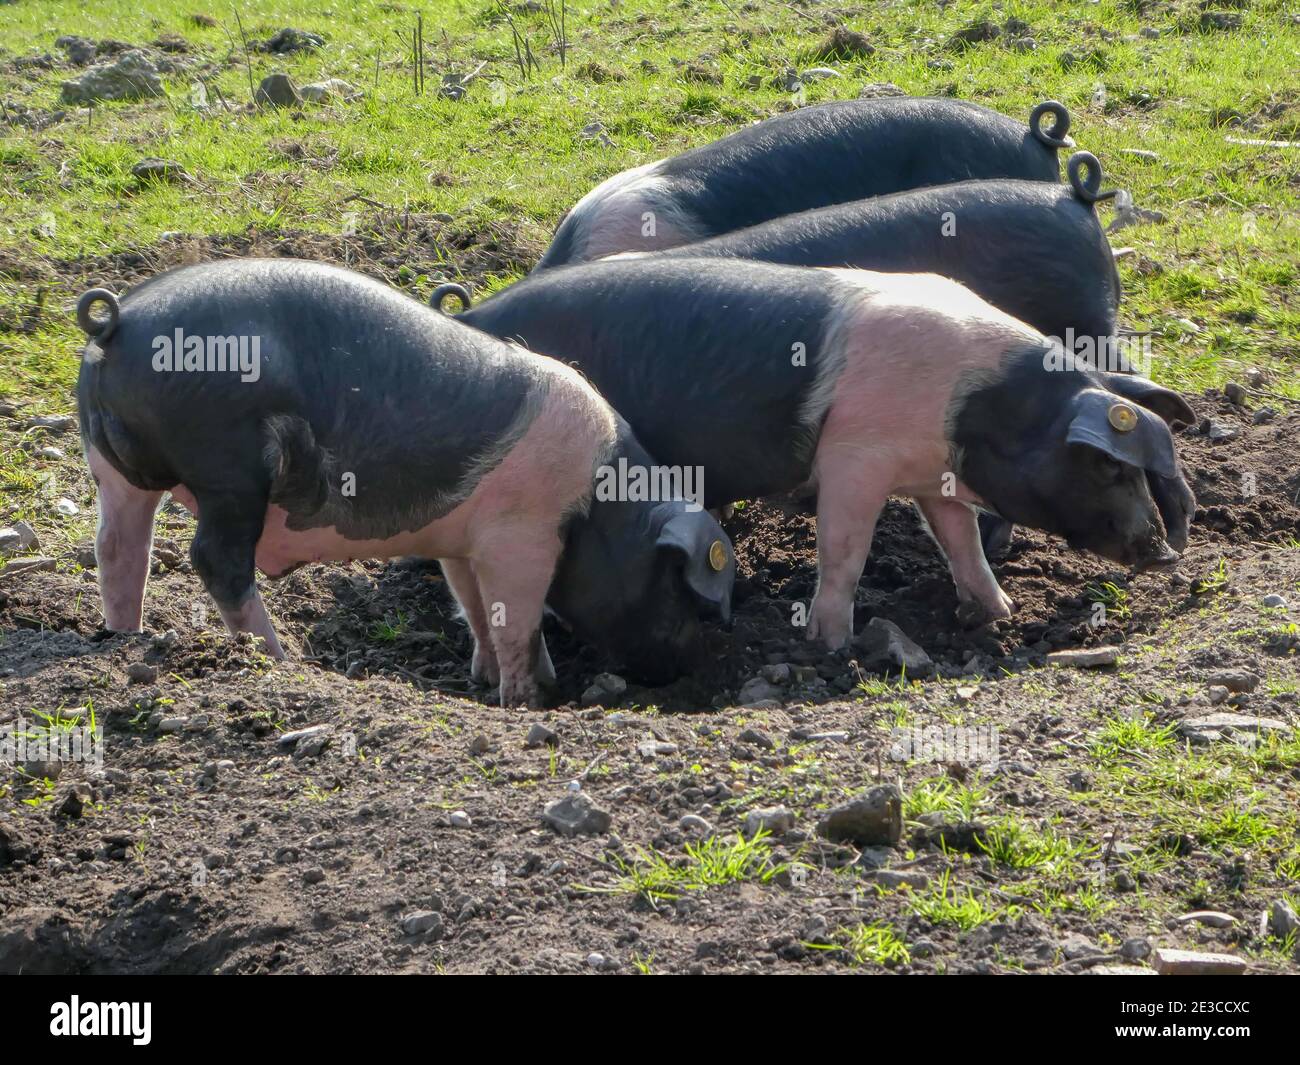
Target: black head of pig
636,577
1083,455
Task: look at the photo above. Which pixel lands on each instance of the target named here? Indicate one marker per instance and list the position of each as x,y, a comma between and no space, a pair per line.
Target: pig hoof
484,670
972,614
521,694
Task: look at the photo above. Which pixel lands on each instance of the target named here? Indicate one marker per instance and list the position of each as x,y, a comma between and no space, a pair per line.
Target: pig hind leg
849,500
514,570
955,527
123,542
459,574
223,554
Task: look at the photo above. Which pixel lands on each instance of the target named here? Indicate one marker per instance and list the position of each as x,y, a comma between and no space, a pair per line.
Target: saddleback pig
810,157
307,413
1034,250
859,385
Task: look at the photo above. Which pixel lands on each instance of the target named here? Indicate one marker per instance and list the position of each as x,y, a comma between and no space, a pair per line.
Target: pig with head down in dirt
810,157
367,426
856,386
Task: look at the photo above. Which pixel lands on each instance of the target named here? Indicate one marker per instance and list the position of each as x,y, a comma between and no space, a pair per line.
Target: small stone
875,819
828,737
1228,723
313,875
1085,657
820,74
277,90
882,645
1170,962
757,690
67,507
595,960
324,91
1235,393
141,673
20,537
576,815
695,823
774,819
421,922
1263,416
52,454
1075,947
1120,970
81,50
1219,432
541,736
757,738
1209,918
653,748
1079,781
1236,680
778,673
172,724
479,745
966,693
1135,948
1282,919
1217,694
289,740
77,798
1274,600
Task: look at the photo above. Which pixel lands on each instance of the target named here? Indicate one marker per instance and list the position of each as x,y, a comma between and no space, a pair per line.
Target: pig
306,413
1034,250
857,385
811,157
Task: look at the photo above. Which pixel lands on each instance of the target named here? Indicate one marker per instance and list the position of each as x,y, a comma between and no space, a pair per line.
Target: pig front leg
955,527
123,541
223,554
849,500
513,579
464,587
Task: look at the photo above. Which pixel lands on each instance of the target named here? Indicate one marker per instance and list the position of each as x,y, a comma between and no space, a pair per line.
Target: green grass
877,943
512,153
712,862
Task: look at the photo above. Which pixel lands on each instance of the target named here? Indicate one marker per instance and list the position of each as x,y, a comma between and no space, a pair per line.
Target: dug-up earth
363,808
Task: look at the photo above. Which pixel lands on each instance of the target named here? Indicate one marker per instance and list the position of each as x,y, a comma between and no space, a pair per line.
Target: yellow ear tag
717,556
1122,417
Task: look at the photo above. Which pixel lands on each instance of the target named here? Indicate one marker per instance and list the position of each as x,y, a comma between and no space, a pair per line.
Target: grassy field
1215,283
1105,794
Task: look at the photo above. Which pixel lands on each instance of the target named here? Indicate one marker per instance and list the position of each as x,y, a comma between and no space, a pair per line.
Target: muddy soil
406,834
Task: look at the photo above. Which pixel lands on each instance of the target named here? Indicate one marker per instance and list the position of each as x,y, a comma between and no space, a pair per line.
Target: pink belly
281,549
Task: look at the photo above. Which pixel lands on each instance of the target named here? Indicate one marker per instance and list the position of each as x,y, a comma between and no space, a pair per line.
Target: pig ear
1169,405
709,563
1124,432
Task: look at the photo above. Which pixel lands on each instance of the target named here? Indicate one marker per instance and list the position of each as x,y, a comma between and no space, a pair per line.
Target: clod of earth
132,76
576,815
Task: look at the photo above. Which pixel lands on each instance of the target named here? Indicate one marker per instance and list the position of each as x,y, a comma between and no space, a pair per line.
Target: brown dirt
271,862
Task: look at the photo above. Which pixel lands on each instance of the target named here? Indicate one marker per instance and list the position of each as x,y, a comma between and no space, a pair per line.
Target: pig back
712,363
